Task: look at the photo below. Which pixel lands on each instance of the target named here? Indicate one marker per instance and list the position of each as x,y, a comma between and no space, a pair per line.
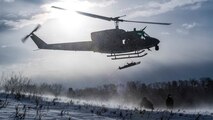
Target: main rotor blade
60,8
116,19
87,14
95,16
159,23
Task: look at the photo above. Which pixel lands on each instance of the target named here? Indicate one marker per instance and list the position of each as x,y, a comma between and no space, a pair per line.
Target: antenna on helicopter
115,19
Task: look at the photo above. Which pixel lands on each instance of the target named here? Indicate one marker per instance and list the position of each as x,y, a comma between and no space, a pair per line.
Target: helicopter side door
108,41
132,41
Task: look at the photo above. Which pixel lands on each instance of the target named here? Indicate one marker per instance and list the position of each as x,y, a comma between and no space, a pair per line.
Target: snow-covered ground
63,109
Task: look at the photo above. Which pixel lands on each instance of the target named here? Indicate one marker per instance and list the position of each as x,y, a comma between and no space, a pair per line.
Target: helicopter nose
157,41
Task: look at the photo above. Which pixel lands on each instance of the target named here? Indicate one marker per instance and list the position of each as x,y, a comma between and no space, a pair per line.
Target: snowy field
45,108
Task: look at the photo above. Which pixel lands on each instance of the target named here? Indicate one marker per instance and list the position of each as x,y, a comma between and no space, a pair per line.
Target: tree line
186,93
18,84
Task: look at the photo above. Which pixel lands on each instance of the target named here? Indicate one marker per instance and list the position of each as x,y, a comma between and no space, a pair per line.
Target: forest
186,93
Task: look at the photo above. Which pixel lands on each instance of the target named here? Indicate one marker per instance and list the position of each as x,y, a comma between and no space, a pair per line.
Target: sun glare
68,18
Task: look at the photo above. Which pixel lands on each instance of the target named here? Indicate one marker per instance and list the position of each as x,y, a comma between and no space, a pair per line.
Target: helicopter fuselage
121,41
118,43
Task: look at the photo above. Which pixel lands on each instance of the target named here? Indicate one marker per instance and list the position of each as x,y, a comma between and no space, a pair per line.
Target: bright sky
185,50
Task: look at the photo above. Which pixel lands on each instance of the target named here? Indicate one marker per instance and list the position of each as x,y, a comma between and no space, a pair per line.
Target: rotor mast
116,24
117,20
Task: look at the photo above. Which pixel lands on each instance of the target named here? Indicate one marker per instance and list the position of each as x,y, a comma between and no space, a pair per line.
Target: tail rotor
27,36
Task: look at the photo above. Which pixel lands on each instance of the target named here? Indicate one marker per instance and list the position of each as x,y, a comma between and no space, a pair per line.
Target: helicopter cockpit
143,35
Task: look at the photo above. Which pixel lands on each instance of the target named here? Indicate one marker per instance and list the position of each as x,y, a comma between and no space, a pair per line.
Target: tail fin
40,43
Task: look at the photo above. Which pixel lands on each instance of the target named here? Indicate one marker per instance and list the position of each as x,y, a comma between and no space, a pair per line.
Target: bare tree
56,89
16,83
44,88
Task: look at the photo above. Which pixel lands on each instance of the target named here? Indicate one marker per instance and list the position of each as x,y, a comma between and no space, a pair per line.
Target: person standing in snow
169,102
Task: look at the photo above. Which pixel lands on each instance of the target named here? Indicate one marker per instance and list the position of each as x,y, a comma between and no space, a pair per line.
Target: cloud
3,25
37,11
165,33
12,54
99,3
14,16
176,72
182,31
36,19
3,46
186,27
189,26
195,6
155,8
7,0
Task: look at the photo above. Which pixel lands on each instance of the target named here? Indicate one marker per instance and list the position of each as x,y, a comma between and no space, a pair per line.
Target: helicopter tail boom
73,46
40,43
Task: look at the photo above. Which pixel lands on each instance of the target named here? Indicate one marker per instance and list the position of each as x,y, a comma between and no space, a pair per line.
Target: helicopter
117,43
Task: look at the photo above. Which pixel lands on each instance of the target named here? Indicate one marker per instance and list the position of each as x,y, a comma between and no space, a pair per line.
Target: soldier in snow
169,102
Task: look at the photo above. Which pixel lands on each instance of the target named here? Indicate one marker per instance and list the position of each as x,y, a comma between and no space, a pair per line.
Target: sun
69,18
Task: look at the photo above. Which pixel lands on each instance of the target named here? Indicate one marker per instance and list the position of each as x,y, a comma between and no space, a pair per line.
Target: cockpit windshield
142,34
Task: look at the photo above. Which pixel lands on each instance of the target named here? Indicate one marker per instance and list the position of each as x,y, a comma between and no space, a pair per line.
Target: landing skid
136,54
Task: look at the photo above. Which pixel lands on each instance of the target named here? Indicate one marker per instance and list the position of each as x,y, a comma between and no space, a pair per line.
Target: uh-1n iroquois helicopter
117,43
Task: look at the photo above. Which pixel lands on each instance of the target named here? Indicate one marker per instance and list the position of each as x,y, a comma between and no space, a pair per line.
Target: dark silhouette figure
147,104
129,65
169,102
17,111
